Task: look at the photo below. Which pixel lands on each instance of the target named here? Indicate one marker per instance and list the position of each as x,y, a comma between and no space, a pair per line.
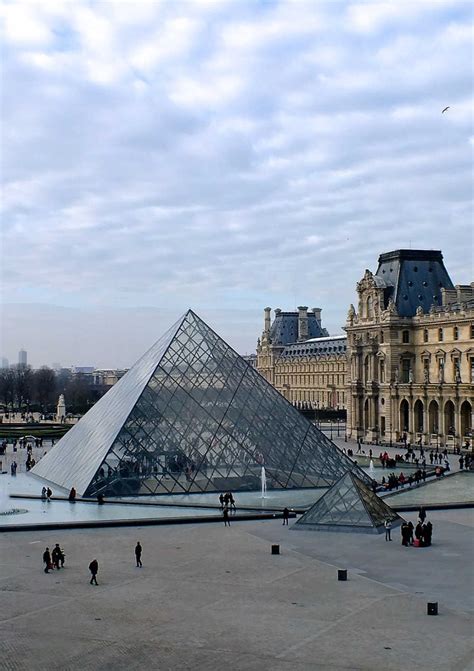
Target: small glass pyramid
348,506
192,416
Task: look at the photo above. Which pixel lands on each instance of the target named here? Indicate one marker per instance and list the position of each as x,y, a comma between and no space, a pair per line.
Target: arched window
455,333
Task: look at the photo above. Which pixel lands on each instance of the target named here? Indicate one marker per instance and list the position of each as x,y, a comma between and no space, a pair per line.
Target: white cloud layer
226,154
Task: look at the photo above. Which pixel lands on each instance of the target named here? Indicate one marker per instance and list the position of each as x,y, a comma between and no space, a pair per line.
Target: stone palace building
406,365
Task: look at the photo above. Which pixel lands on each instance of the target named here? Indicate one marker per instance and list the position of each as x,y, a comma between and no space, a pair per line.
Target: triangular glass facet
349,503
202,420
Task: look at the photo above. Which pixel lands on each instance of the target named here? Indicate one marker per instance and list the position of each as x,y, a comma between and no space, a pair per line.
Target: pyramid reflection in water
192,416
348,506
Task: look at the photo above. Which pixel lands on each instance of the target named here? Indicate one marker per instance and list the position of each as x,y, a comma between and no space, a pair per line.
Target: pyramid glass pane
349,503
201,419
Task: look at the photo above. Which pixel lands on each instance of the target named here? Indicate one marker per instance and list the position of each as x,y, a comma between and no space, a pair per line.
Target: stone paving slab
214,598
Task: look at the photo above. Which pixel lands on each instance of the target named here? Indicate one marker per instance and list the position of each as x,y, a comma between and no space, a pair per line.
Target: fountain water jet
263,479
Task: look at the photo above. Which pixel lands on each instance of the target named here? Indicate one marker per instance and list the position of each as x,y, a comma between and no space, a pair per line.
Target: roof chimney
317,314
267,321
302,323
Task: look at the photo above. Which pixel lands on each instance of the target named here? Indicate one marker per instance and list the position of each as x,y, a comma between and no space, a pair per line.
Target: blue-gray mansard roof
316,347
412,278
284,329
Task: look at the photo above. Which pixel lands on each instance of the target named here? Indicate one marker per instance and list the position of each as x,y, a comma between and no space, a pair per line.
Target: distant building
82,369
298,356
22,357
56,366
5,362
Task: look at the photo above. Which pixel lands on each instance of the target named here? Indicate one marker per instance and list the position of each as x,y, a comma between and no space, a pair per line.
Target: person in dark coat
225,513
428,532
72,495
405,531
56,556
221,501
138,554
422,515
47,560
286,514
94,569
411,530
419,532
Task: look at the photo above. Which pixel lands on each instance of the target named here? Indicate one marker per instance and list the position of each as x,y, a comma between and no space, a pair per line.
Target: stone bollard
275,549
342,574
432,608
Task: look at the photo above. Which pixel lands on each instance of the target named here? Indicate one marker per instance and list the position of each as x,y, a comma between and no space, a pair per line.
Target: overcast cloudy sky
223,156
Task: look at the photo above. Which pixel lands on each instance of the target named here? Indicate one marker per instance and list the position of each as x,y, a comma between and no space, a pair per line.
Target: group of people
393,481
55,560
227,503
420,535
46,494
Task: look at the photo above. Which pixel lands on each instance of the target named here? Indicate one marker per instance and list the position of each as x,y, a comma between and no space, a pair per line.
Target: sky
224,156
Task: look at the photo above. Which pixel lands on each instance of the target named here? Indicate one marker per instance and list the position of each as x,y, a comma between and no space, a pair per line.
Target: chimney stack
302,323
317,314
267,320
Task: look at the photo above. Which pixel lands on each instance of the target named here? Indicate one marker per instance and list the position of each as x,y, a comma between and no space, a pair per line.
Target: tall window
382,370
405,336
425,335
406,370
369,307
440,335
472,331
472,369
455,333
381,337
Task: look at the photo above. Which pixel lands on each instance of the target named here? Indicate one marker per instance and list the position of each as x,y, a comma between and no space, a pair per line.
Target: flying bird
446,108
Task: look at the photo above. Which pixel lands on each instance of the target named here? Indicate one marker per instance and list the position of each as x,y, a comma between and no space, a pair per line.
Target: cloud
229,154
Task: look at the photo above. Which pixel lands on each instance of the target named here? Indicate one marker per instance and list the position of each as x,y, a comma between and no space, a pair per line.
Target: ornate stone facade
407,365
411,373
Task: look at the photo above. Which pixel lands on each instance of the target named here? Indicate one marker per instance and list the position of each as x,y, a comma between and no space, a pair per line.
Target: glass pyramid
348,506
192,416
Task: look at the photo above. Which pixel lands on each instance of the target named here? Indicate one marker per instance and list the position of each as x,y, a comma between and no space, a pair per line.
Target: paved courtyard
214,598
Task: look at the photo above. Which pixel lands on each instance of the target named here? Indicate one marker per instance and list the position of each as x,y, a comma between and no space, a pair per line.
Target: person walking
388,530
138,554
47,560
56,556
286,514
422,515
94,569
225,513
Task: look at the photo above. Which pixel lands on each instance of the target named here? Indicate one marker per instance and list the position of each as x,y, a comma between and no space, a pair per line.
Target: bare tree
7,387
23,385
45,387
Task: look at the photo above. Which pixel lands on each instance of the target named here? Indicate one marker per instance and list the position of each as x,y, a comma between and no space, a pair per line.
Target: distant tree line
23,389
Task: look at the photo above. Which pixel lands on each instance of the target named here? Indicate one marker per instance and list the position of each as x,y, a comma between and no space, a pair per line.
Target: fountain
371,468
4,501
263,479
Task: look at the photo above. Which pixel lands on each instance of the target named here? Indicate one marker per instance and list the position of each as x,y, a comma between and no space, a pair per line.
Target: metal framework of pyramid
348,506
192,416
